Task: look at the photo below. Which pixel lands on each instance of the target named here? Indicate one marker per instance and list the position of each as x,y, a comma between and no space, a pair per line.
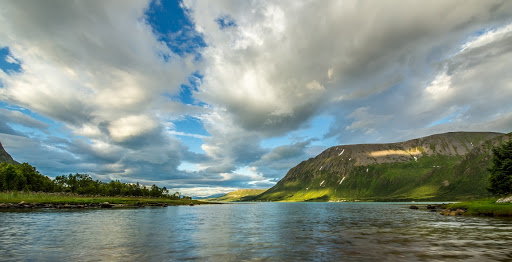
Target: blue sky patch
225,21
450,118
191,125
8,63
172,25
191,132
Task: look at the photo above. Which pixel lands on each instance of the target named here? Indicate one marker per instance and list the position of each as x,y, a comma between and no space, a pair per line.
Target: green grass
238,195
485,207
383,182
436,177
60,198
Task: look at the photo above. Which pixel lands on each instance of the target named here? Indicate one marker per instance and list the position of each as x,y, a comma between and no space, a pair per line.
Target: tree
34,180
500,179
17,177
12,180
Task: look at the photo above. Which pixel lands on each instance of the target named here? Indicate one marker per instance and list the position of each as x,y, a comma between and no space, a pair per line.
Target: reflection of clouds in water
235,232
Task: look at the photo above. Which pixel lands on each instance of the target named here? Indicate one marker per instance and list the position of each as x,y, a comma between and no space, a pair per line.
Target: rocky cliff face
4,156
414,169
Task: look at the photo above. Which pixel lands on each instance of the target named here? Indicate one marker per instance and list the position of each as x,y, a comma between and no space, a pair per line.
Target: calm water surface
255,232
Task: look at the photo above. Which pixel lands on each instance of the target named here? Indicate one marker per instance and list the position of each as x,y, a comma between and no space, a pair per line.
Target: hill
450,166
238,195
470,176
5,157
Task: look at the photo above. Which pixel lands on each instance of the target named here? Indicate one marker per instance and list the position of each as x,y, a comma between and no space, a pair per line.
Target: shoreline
23,205
484,207
34,200
476,208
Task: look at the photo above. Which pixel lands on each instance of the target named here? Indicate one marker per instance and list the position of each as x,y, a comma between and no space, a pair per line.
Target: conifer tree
500,178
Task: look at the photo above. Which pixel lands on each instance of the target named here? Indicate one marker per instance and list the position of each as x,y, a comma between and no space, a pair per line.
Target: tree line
24,177
500,178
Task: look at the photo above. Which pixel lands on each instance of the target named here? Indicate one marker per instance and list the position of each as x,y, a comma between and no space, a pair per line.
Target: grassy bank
485,207
73,199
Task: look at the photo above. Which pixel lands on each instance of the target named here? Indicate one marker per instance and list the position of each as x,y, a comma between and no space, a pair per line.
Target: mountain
207,197
238,195
471,175
5,157
450,166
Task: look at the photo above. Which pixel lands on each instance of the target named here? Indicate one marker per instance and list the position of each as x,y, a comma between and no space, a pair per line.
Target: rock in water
106,205
451,212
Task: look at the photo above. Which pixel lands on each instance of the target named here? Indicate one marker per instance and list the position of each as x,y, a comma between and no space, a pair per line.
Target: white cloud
11,60
267,75
384,70
131,126
98,69
488,38
177,133
440,86
87,63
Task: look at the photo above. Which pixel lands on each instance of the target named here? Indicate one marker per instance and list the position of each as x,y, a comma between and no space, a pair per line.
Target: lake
253,232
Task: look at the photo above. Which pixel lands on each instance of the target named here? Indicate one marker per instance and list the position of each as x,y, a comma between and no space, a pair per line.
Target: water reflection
257,231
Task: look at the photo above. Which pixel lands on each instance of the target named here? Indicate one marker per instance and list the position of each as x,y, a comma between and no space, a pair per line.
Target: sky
205,97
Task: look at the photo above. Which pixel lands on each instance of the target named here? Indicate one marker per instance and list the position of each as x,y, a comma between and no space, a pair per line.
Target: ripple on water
260,232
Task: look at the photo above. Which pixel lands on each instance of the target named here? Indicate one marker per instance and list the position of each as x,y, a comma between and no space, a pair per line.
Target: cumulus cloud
368,64
92,61
98,68
276,163
129,127
385,71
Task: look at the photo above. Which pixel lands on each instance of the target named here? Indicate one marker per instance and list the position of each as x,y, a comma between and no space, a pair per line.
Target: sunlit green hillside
450,166
238,195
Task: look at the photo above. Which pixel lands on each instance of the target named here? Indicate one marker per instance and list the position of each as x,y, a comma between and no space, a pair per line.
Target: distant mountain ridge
238,195
422,168
5,157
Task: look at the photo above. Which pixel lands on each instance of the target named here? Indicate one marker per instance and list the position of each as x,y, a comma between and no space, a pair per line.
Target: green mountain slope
238,195
5,157
426,168
470,177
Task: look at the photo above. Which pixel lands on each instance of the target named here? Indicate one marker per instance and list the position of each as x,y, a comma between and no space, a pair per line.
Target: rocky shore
443,209
24,205
453,211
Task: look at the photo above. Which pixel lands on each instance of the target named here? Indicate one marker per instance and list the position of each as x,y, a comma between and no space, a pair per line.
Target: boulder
451,212
459,212
504,200
413,207
106,205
